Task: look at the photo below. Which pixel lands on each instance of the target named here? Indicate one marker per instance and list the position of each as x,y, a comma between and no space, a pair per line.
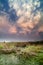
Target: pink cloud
40,28
24,23
28,24
6,26
12,30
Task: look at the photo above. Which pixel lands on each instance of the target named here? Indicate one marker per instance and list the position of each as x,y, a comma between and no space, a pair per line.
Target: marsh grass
11,59
29,55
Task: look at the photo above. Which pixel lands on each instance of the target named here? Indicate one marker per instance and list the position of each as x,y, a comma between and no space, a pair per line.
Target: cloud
40,28
6,27
5,8
12,30
26,24
23,19
24,6
28,12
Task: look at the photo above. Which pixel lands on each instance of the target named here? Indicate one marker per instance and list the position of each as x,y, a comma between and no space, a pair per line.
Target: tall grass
11,59
29,55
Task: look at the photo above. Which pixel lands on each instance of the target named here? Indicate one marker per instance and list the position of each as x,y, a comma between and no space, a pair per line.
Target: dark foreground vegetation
21,53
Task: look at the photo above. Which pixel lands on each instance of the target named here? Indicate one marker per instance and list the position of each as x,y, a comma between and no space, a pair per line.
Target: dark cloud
41,35
13,16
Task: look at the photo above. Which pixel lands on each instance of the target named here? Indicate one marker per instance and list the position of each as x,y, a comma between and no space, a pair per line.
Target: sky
21,20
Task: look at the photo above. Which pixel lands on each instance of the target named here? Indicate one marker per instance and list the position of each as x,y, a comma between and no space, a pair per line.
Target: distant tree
4,41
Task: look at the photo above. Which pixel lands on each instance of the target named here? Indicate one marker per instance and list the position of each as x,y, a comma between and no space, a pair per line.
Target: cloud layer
22,19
